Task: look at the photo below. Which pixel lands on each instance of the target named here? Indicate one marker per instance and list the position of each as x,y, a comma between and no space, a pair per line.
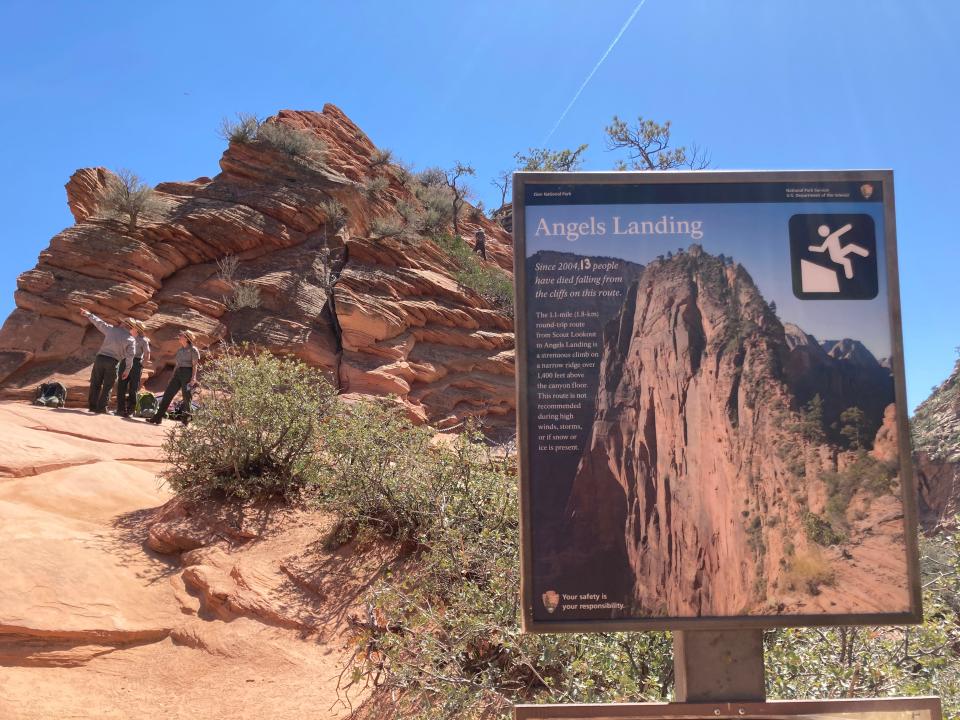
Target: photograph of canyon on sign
706,440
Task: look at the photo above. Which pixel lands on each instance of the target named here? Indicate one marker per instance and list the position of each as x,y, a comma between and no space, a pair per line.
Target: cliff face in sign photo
724,477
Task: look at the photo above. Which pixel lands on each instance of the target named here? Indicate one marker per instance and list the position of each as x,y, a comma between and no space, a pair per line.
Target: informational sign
711,401
918,708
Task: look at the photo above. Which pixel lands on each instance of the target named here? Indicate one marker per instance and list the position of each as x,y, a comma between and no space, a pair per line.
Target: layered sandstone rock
701,475
381,315
936,441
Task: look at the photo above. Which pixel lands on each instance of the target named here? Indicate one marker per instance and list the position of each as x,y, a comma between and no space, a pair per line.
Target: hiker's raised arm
99,324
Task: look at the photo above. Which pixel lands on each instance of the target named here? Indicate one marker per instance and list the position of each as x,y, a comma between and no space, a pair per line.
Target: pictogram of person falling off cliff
838,252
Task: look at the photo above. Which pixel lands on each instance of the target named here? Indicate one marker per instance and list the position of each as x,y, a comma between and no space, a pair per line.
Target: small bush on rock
489,281
298,143
243,129
256,431
374,187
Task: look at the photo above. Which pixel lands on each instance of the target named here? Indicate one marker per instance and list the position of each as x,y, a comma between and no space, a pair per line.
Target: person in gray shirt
118,344
129,386
184,378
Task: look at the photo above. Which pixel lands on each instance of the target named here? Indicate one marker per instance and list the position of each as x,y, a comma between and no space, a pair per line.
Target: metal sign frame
521,182
772,710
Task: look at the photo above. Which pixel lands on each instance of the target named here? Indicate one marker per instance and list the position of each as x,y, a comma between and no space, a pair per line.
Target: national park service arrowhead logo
551,600
834,256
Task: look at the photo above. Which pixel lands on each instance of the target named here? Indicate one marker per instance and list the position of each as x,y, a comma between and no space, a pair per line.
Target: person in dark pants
118,344
480,244
184,377
128,386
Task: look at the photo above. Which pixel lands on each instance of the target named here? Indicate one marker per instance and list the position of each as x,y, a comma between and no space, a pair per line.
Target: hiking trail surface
243,614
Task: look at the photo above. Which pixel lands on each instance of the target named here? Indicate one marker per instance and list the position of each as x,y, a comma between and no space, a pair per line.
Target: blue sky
765,85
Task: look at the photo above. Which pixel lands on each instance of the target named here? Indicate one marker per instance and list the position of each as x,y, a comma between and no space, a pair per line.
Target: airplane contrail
595,68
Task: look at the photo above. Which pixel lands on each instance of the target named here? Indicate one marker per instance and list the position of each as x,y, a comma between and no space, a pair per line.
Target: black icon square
833,256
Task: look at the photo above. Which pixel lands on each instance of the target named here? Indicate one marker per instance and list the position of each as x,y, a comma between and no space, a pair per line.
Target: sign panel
711,402
918,708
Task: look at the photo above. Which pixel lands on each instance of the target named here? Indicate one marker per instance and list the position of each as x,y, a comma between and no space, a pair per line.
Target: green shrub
864,472
374,462
241,130
821,531
392,227
835,662
374,187
489,281
447,642
296,143
256,430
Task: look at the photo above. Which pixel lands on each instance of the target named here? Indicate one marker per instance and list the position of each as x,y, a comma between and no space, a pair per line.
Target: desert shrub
821,531
834,662
390,227
431,189
373,187
376,469
807,571
242,129
381,157
297,143
244,295
864,472
336,214
227,267
443,638
447,642
128,195
489,281
255,432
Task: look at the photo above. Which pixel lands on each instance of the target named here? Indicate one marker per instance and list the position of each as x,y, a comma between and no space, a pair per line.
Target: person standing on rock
480,244
118,345
184,377
129,385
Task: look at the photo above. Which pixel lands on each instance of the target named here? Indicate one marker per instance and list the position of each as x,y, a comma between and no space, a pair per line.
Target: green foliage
853,428
810,424
256,431
243,129
373,187
555,160
128,195
447,641
489,281
821,531
376,469
393,227
863,472
648,146
296,143
843,662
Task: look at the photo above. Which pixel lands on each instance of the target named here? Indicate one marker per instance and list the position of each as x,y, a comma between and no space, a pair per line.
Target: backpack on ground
180,412
147,404
52,394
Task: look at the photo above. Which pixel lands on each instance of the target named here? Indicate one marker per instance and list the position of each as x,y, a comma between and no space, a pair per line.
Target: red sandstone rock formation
398,322
700,477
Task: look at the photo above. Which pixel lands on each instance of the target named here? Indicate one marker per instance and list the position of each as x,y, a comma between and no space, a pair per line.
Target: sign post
713,666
